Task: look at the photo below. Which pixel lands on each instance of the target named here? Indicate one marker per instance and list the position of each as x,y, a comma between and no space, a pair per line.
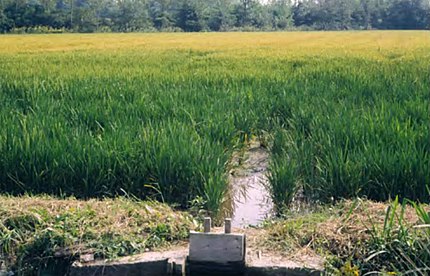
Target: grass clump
360,236
37,232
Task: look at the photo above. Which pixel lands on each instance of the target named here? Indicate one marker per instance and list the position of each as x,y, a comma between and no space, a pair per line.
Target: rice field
344,114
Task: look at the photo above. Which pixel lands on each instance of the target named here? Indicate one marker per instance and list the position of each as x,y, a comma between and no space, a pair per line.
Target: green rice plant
282,172
97,115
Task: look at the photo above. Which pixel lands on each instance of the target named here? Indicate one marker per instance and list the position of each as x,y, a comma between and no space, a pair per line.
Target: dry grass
35,229
118,215
344,230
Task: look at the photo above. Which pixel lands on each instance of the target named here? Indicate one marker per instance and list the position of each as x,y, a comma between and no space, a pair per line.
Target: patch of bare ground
260,254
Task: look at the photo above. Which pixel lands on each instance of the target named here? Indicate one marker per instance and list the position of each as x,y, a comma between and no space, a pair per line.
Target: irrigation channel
248,180
252,205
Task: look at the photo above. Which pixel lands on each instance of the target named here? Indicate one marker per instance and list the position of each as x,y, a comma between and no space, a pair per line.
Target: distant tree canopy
214,15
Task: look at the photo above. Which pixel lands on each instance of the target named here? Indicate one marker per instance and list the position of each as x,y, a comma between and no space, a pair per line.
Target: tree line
214,15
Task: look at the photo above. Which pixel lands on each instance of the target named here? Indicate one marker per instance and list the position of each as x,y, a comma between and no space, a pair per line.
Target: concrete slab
147,264
215,269
150,268
217,247
280,271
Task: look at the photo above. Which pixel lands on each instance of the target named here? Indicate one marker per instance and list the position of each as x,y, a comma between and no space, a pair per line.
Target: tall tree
408,14
303,13
160,14
5,21
250,13
132,15
215,15
280,14
187,18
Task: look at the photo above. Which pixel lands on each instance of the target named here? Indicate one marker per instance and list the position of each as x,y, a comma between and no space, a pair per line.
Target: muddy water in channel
252,203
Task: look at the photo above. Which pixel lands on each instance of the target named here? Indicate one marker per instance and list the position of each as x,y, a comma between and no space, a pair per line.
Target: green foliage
342,144
187,18
196,15
283,171
342,126
363,14
197,208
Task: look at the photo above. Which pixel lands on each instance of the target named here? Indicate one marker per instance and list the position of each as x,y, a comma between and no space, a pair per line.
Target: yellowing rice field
370,44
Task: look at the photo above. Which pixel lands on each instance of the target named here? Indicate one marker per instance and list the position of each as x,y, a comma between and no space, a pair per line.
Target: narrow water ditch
252,204
248,180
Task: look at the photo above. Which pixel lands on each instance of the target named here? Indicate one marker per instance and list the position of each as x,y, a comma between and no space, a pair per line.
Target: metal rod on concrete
227,225
207,225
